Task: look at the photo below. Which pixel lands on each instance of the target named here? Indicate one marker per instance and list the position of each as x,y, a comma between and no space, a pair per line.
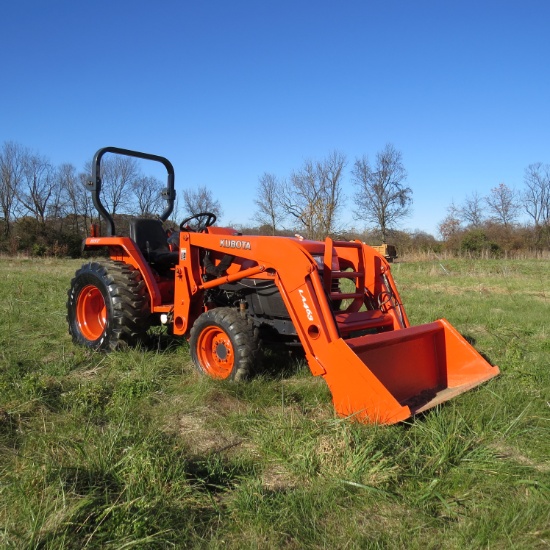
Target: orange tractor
227,292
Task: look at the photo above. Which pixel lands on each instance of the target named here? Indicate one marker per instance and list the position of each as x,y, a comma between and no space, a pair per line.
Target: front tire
107,306
223,344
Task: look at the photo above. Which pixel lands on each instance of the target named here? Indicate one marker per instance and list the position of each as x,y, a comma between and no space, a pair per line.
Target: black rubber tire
125,317
233,336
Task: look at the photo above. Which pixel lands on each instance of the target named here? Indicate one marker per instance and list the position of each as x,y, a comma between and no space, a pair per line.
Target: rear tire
223,344
107,306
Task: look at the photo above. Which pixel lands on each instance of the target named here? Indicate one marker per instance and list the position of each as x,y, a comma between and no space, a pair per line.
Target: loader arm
385,374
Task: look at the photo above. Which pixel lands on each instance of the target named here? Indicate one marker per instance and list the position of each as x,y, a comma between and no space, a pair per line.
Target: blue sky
230,90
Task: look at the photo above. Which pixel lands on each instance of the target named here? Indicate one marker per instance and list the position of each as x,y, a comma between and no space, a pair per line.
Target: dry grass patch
277,477
202,439
505,452
206,429
223,404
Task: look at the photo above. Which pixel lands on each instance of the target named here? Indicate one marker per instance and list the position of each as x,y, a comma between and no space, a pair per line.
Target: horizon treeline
46,210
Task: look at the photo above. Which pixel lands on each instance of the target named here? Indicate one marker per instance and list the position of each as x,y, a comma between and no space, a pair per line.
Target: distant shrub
476,241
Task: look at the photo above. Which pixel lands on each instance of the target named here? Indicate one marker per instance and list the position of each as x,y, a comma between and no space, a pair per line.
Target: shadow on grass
108,508
472,341
214,474
162,340
280,362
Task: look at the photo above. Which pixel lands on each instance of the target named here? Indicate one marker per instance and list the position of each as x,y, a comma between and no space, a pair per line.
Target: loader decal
229,243
309,314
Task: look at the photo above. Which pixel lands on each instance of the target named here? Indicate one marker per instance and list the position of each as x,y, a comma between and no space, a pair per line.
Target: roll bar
94,185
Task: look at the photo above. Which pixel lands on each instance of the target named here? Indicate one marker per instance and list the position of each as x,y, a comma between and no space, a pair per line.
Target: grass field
136,450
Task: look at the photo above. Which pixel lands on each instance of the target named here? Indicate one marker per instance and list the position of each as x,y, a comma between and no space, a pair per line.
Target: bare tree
37,186
76,201
536,198
383,199
472,210
268,202
176,216
450,226
87,209
147,192
57,208
12,163
503,205
118,174
313,196
330,172
200,200
300,199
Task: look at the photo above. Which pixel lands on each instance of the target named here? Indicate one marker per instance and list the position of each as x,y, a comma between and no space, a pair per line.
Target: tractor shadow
161,340
473,342
280,362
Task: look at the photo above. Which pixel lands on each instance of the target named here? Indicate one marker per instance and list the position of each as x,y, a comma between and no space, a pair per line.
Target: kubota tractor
226,292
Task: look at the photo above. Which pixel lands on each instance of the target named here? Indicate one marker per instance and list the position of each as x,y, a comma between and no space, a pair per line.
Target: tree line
46,209
311,199
492,221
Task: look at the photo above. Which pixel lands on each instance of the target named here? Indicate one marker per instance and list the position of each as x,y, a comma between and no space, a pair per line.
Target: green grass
136,450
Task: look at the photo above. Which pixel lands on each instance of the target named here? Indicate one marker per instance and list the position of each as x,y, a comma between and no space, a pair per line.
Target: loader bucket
388,377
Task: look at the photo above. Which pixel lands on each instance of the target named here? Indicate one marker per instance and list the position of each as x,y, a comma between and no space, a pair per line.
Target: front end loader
227,293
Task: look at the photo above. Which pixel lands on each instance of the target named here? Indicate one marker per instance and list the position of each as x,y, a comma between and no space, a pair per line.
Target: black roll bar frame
94,185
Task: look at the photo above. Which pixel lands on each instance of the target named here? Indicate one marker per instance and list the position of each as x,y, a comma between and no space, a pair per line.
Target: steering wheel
203,220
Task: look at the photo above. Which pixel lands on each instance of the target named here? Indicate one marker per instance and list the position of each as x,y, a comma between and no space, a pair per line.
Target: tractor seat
152,240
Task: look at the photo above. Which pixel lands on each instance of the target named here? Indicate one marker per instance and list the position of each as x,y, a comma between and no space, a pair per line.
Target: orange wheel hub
91,313
215,352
